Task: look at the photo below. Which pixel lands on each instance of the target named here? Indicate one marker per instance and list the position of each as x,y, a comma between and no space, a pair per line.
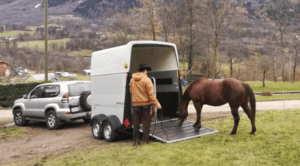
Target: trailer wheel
97,130
108,133
84,100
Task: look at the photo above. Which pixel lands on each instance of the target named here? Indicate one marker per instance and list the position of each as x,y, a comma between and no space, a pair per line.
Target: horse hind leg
248,111
236,116
198,107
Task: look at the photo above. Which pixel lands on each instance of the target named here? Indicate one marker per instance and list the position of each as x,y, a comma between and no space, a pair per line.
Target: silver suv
54,103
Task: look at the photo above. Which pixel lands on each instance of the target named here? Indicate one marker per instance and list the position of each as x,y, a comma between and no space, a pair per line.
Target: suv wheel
97,130
108,133
52,120
19,118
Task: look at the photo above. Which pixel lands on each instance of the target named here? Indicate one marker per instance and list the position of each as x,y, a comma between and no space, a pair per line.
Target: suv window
51,91
78,88
37,92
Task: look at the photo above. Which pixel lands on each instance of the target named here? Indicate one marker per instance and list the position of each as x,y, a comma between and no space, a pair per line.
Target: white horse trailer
111,71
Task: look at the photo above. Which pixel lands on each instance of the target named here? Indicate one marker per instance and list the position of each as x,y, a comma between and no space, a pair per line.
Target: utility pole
46,40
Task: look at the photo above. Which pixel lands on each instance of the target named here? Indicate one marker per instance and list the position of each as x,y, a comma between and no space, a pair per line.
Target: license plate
75,109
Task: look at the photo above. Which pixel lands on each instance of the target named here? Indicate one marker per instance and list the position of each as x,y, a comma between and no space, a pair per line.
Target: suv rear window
78,88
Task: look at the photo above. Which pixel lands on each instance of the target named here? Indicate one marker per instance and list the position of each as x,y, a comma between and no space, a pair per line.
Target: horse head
182,113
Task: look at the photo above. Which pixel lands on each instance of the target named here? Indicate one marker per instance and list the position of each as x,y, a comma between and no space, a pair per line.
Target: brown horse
202,91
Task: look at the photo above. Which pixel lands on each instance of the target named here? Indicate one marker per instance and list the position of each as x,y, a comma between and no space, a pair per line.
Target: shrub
9,93
266,93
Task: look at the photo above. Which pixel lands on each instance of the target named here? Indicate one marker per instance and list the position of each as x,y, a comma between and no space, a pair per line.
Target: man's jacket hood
138,76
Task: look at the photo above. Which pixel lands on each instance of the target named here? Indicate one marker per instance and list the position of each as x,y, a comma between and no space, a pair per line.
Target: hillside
32,11
95,9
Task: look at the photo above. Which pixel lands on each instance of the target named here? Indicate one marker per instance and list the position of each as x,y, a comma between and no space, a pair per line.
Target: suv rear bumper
64,114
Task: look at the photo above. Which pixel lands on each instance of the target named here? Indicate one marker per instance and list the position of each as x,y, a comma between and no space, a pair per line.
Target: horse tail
252,100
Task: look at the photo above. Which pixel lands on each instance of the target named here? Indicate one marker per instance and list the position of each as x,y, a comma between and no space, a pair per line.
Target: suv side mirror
25,96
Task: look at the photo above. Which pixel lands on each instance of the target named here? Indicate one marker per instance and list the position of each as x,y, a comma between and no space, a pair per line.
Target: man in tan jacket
141,90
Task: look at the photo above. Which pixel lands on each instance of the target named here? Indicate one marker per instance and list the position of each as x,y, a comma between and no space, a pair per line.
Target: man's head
144,68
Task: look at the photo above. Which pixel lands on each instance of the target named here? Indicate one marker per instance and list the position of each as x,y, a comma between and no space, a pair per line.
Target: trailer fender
100,118
114,121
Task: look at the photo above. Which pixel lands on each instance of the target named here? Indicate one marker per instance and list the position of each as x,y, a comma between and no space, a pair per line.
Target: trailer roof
117,59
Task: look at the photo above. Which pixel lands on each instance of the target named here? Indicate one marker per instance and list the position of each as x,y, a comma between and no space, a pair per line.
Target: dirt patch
5,121
39,142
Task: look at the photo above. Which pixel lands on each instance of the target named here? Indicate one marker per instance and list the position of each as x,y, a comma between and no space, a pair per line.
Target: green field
83,52
41,43
274,86
277,97
276,143
83,77
14,33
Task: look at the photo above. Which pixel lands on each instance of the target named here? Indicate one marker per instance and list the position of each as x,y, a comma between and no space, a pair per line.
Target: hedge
9,93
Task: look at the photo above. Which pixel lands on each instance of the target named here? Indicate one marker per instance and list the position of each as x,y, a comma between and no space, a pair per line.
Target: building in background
5,69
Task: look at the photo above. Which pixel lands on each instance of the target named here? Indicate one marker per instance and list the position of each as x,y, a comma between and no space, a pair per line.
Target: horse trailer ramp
168,131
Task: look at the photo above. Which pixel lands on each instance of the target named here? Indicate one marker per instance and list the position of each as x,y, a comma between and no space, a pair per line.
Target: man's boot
136,139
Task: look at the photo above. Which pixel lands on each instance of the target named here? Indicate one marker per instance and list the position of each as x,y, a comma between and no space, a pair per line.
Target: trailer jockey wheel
97,129
108,133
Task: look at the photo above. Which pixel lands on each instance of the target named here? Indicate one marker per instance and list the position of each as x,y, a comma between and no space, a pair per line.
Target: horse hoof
232,133
252,133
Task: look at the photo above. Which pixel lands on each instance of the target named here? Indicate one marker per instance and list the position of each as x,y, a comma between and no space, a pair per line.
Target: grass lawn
277,142
83,52
274,86
14,33
41,43
11,132
277,97
83,77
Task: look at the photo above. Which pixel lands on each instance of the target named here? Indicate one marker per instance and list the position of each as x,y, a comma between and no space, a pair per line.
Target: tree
283,14
122,27
266,67
165,15
147,17
220,14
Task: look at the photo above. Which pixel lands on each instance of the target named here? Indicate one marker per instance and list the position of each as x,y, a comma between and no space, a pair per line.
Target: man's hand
159,108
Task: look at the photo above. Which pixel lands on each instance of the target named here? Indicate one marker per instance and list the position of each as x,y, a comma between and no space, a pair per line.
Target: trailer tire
84,100
97,129
109,133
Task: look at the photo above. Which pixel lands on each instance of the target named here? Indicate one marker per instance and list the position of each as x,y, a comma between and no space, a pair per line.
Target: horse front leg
236,116
198,106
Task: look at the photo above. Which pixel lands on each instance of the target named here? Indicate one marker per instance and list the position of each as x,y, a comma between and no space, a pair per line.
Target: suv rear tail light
65,98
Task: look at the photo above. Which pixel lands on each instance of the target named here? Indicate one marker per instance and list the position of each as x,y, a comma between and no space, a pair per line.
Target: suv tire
108,133
83,100
52,120
19,119
97,129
